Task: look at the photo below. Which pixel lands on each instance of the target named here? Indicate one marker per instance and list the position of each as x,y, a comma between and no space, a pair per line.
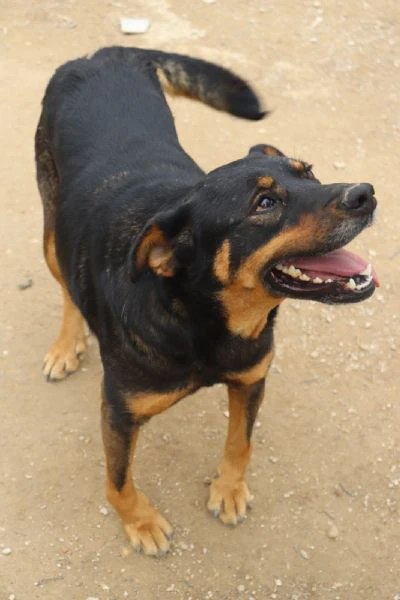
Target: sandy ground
326,469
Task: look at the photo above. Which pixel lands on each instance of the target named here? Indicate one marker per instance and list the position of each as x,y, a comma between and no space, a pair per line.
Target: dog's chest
230,359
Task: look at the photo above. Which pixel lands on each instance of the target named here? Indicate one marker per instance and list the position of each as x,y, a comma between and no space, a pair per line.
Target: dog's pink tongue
339,262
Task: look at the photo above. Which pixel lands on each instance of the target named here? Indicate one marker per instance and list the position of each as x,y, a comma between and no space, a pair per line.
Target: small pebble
25,284
304,554
134,25
240,588
333,531
6,551
103,510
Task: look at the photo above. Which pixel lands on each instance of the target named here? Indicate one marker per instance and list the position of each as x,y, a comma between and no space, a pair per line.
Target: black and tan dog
178,273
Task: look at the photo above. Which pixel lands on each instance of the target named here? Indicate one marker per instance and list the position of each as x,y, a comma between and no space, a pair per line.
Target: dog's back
108,156
83,92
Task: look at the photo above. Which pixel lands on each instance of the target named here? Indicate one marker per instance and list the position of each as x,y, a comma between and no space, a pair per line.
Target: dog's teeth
364,284
328,280
293,272
285,269
367,271
279,266
351,284
304,277
317,280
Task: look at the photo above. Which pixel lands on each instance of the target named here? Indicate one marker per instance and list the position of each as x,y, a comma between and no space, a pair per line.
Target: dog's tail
214,85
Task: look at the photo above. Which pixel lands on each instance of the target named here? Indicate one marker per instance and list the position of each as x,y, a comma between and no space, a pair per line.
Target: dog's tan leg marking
146,528
63,357
229,495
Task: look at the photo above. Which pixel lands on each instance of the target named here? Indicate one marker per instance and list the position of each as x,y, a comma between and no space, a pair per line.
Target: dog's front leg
229,494
145,527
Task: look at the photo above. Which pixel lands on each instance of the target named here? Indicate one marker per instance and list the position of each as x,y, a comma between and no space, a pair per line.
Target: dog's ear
265,149
164,245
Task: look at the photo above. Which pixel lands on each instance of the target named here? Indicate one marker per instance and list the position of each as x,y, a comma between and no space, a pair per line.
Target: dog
179,273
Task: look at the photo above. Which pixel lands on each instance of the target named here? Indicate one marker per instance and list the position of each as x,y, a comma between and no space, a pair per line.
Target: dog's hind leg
63,356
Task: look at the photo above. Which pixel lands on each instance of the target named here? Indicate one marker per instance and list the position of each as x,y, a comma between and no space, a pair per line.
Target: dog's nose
358,198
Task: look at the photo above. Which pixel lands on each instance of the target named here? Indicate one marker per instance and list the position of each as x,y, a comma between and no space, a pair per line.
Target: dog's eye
266,202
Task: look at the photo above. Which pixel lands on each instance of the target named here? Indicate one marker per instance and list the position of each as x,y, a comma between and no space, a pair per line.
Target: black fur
122,173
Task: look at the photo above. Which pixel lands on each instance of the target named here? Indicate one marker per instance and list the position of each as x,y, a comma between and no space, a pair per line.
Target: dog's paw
229,499
147,530
63,357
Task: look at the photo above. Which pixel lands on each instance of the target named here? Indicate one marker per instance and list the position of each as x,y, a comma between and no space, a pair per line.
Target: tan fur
271,151
63,356
247,304
161,261
246,301
148,405
254,374
297,164
229,494
181,85
265,182
165,84
152,238
145,527
155,251
222,262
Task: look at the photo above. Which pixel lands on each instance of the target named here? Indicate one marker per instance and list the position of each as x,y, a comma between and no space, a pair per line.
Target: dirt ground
326,470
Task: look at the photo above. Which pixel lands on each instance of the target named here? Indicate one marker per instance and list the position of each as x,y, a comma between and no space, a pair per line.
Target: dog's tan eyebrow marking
265,182
268,182
272,151
297,165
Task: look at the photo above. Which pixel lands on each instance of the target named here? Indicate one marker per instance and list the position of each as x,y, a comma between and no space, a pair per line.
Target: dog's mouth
336,277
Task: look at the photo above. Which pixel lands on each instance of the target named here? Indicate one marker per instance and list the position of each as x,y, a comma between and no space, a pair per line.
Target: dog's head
261,229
